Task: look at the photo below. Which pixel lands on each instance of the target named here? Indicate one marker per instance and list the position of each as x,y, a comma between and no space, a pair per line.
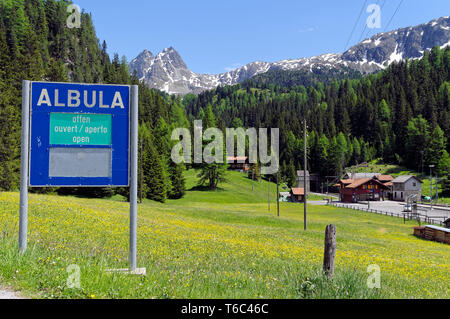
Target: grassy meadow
222,244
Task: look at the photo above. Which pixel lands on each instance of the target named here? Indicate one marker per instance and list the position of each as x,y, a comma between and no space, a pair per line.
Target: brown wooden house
298,195
238,163
386,180
364,189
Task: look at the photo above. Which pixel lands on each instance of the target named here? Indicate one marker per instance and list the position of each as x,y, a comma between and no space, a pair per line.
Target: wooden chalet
386,180
238,163
364,189
298,195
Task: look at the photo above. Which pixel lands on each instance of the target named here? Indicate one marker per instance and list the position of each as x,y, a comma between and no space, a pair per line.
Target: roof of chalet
236,159
404,179
298,191
358,182
385,178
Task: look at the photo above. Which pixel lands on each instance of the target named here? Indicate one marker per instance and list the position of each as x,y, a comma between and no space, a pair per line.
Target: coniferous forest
35,44
401,115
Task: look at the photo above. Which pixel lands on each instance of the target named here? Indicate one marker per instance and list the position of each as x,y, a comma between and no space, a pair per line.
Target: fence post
330,251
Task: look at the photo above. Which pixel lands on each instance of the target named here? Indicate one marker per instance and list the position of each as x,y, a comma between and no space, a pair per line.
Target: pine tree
214,173
254,172
178,182
443,170
436,146
154,174
418,137
292,175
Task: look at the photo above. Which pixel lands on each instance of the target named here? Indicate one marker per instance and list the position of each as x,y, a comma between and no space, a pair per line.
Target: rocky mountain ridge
168,72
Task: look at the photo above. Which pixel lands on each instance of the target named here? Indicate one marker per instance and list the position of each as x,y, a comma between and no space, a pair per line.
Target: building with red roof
363,189
298,194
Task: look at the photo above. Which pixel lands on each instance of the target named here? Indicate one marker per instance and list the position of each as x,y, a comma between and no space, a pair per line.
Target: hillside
401,115
37,45
214,245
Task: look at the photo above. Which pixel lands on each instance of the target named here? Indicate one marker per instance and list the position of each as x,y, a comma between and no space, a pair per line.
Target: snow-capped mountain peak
168,72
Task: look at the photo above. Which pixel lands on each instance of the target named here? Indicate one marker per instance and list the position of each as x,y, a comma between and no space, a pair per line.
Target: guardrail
406,216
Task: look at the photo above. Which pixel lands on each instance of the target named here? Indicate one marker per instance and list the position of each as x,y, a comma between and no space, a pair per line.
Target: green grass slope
222,244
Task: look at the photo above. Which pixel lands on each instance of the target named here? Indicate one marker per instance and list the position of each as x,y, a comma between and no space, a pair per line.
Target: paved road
317,202
7,294
397,207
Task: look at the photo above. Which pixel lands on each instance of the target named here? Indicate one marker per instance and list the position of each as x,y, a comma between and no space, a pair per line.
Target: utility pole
268,194
304,176
253,176
278,194
431,187
437,189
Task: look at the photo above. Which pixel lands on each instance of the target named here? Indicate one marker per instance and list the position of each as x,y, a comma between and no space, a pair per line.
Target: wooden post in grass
268,194
330,251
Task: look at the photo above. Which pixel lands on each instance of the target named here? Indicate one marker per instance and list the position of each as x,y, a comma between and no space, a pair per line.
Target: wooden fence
406,216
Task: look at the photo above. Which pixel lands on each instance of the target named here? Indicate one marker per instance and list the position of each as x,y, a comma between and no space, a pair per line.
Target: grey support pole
23,218
133,176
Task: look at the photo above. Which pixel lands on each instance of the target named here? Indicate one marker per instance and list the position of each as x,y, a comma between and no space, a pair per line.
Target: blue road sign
80,135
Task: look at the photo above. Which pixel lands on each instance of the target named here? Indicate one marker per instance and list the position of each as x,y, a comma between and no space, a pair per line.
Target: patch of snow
445,45
395,56
381,66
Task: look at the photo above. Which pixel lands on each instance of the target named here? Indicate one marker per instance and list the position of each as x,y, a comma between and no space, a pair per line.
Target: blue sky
214,36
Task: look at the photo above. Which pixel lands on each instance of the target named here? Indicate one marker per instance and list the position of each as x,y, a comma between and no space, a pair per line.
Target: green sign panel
80,129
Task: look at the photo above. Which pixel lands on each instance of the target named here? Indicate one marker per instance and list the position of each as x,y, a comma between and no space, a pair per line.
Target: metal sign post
23,217
133,176
79,135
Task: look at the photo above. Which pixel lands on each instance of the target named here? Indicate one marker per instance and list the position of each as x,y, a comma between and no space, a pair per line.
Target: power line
381,9
365,27
354,27
396,10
